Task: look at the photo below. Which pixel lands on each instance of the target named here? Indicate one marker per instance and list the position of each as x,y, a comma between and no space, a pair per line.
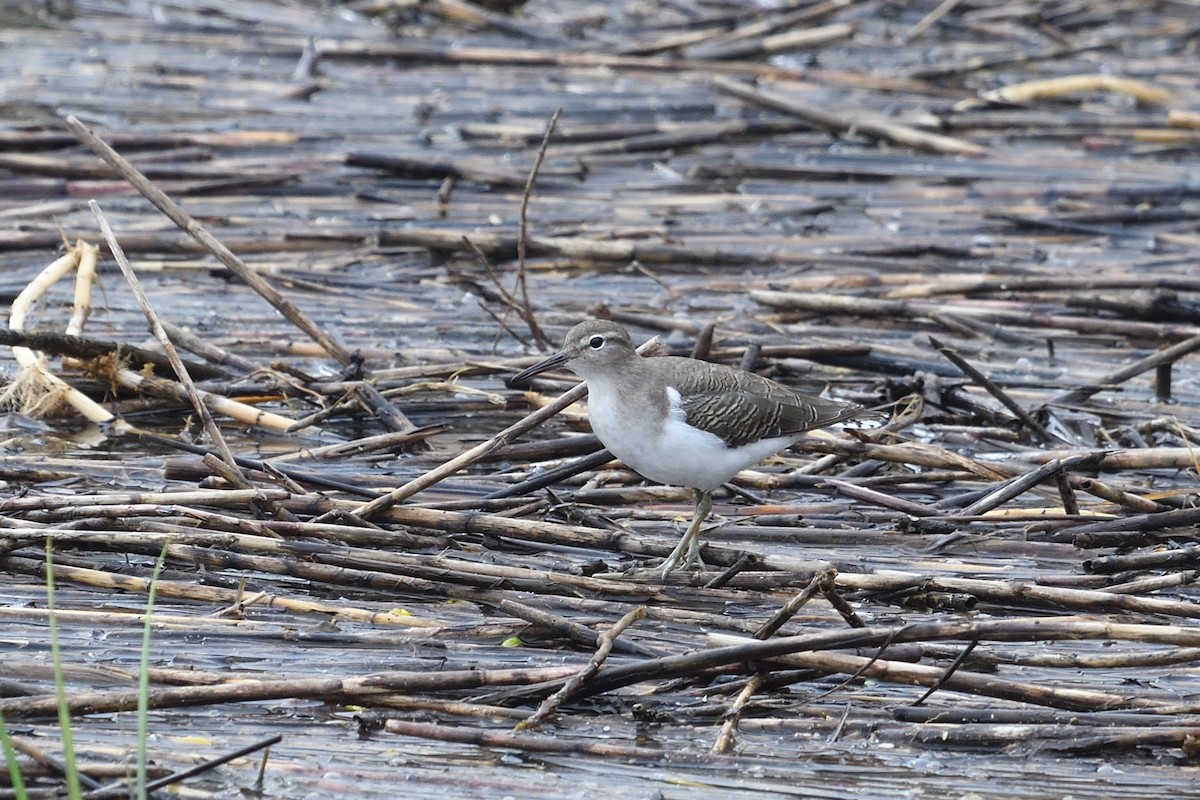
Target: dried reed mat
342,228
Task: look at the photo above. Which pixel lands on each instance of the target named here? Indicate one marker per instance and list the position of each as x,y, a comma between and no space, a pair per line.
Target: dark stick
120,789
1162,382
1069,501
789,609
1158,559
958,662
995,391
62,344
552,476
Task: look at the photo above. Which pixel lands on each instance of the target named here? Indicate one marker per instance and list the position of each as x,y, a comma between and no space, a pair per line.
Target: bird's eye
596,342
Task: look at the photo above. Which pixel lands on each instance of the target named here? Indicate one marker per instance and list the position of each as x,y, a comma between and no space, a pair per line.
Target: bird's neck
629,390
631,371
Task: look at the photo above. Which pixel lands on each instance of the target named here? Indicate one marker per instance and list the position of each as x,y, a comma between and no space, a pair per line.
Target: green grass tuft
144,681
74,790
10,757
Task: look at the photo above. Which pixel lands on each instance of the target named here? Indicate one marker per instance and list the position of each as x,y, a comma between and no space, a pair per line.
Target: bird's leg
688,548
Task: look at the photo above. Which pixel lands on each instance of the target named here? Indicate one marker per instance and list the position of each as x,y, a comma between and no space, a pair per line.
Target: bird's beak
556,360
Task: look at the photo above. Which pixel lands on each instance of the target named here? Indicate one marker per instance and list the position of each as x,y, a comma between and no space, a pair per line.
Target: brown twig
181,371
929,20
510,302
577,681
197,231
828,587
789,609
1069,501
526,310
732,714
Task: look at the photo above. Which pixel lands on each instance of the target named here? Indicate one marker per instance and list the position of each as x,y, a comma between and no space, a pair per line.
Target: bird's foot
688,549
686,555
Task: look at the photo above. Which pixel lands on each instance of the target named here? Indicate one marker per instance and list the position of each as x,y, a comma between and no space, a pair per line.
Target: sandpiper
682,421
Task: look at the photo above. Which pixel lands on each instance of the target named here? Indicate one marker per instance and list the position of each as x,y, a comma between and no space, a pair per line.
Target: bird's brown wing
742,407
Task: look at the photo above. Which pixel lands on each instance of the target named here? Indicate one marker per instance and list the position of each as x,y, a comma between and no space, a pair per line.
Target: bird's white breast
670,450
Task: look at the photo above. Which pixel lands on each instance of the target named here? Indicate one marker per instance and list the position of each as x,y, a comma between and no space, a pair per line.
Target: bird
682,421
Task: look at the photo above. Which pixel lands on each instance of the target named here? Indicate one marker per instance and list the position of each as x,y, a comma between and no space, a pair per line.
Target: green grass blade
144,681
74,791
10,757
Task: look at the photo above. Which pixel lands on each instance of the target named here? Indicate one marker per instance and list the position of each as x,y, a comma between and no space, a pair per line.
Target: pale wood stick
1075,84
733,714
35,364
222,405
203,497
463,460
85,275
249,690
188,590
36,288
719,38
865,124
745,46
